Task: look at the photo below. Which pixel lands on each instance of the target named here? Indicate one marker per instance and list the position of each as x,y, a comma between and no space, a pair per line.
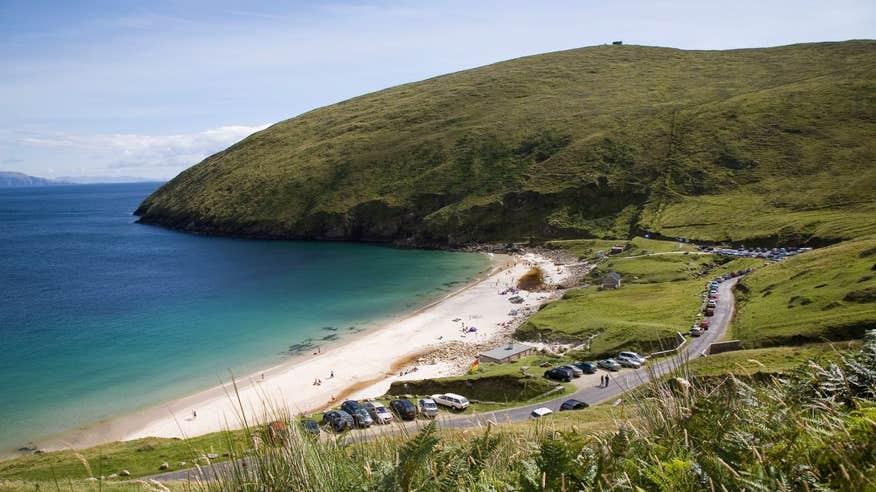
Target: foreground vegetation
812,429
825,294
604,141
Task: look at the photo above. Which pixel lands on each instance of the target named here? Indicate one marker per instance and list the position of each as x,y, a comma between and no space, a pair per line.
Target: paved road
588,388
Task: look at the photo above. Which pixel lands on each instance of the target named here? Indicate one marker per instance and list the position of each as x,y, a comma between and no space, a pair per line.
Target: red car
704,324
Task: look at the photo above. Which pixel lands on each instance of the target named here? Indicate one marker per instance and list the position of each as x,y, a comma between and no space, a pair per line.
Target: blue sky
149,88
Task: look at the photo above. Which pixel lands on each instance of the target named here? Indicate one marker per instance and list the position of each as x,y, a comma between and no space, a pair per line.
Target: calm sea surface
100,316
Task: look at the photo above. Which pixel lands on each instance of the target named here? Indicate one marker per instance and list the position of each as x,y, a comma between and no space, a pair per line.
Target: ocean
100,316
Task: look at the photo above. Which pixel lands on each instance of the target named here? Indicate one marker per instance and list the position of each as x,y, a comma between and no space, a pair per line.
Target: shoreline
364,364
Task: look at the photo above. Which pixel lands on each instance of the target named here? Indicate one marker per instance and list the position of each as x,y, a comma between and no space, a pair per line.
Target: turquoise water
100,316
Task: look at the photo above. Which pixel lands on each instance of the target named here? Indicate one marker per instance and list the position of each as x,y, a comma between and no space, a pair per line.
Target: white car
631,356
378,412
428,407
540,412
452,400
696,331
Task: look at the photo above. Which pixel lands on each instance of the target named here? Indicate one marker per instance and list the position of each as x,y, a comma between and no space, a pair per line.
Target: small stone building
507,353
612,280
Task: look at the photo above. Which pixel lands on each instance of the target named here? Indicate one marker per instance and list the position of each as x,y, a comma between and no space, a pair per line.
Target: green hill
825,294
771,145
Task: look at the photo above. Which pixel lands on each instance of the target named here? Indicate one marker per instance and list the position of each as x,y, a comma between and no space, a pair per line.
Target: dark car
710,311
310,427
404,409
350,406
339,420
587,367
573,404
559,374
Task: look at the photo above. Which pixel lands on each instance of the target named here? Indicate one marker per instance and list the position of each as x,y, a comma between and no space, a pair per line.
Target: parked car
452,400
632,356
711,304
339,420
710,311
629,363
540,412
573,404
378,412
309,426
576,372
350,406
609,364
696,331
586,367
428,407
559,374
704,324
362,419
404,409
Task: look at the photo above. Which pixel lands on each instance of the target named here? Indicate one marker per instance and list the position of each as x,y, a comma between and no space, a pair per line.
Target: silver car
576,371
632,356
378,412
428,407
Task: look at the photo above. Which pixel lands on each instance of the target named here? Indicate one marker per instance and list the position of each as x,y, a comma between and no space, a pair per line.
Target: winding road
588,390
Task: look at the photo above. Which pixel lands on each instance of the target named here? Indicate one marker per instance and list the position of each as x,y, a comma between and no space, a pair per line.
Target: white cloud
173,153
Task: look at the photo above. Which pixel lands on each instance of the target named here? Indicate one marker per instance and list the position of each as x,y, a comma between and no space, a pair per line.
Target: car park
338,420
540,412
573,404
559,374
378,412
404,409
696,331
586,367
632,356
309,426
428,407
609,365
576,372
452,400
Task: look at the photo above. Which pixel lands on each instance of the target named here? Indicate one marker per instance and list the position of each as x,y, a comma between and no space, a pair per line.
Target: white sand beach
359,367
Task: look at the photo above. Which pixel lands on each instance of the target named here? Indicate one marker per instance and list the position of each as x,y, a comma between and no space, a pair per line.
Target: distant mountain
10,179
106,179
772,146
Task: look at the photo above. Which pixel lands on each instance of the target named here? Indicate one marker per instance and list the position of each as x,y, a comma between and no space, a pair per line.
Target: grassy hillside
825,294
771,145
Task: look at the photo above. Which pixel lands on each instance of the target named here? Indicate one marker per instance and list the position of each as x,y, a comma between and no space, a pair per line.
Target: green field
639,316
604,141
769,360
825,294
658,268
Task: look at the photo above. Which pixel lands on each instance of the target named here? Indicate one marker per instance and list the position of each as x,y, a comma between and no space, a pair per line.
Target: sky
149,88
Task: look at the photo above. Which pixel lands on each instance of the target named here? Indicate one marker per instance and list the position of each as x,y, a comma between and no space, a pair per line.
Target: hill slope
769,145
9,179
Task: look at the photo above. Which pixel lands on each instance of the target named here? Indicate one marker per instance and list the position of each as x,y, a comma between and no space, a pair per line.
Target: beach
433,341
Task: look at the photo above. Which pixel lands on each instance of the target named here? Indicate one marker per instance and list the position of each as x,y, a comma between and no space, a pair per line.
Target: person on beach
332,375
194,414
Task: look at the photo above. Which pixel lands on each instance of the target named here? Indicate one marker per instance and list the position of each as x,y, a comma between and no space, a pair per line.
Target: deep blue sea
100,316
